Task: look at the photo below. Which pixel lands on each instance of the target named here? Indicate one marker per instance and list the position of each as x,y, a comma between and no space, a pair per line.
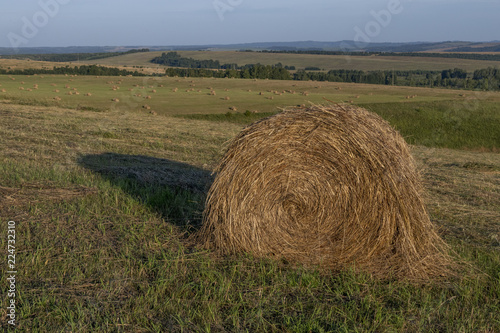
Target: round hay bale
328,187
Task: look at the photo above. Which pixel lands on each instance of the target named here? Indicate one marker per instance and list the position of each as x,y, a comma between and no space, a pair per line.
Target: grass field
301,61
193,95
105,194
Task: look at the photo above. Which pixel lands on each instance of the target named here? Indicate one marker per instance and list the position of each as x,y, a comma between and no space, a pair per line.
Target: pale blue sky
33,23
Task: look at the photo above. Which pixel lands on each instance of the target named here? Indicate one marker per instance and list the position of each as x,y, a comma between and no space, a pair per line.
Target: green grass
105,199
448,124
193,94
442,124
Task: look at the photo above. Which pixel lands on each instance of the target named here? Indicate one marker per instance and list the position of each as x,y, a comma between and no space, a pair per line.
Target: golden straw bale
324,186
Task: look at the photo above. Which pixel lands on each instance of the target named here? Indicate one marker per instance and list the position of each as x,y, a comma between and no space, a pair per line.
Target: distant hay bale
328,187
57,98
88,94
227,98
115,100
56,90
4,90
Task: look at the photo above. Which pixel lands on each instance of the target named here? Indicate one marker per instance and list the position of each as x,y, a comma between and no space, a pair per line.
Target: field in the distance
301,61
170,95
104,194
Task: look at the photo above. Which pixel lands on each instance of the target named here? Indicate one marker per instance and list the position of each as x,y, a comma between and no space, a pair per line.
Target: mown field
106,193
301,61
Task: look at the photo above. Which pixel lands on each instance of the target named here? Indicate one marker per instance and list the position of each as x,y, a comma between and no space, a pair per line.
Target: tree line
68,57
482,79
257,71
174,59
76,70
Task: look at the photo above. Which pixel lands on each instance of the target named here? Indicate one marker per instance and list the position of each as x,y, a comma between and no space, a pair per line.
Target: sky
37,23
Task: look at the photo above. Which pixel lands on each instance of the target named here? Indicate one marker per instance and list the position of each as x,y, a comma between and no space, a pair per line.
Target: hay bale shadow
175,190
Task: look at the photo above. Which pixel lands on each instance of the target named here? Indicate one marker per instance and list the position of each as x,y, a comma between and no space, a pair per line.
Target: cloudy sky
32,23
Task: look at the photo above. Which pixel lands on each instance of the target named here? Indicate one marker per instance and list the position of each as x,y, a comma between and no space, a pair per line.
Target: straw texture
325,186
